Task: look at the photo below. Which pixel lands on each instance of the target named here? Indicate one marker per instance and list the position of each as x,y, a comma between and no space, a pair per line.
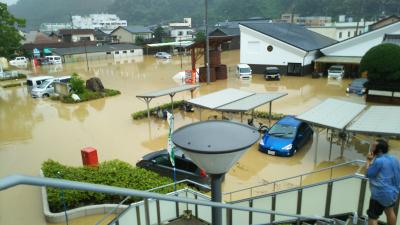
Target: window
124,52
108,53
340,34
270,48
348,34
163,160
132,51
116,52
180,33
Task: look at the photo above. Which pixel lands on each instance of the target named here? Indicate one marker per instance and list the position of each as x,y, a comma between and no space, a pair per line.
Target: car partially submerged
286,137
163,55
357,86
336,71
272,73
160,163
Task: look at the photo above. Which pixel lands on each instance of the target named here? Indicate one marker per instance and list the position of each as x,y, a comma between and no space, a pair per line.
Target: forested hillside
162,11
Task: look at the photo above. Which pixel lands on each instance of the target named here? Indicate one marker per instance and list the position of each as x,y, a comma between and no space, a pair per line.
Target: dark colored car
272,73
286,137
357,86
185,169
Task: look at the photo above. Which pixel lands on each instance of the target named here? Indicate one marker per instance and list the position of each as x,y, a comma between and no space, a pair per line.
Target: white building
182,31
53,27
290,47
349,52
104,22
342,30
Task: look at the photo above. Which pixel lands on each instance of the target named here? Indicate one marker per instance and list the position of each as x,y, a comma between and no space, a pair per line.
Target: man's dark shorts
375,209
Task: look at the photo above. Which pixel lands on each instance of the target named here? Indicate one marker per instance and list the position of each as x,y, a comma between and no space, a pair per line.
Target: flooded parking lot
34,130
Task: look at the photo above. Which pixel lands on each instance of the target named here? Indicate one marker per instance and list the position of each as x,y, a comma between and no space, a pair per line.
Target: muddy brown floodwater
34,130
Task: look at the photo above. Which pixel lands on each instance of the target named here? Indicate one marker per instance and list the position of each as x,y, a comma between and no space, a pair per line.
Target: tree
381,64
139,40
159,34
200,36
10,38
77,84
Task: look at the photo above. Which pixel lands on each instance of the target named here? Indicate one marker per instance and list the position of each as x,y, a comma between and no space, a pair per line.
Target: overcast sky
9,2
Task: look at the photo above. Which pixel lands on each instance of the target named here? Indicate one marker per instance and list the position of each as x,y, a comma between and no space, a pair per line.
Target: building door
294,69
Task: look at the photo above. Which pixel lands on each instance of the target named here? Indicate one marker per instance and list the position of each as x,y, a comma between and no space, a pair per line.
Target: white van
33,82
46,88
243,71
18,61
53,59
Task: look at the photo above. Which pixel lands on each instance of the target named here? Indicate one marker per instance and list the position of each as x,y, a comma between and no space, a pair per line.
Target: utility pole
207,44
87,62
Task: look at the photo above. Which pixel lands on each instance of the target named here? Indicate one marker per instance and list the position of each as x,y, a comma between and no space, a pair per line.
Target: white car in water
19,61
162,55
336,71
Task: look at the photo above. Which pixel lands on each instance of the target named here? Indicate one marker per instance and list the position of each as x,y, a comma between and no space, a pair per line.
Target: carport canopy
338,60
147,97
378,120
235,100
332,113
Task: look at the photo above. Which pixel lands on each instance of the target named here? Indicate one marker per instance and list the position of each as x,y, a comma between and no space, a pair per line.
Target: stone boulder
94,84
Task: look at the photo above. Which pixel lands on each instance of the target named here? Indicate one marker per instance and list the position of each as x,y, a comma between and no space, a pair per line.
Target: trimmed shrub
87,95
114,173
20,76
381,64
77,84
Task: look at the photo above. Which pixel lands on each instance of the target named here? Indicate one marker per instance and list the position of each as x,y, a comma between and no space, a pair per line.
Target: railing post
146,211
273,207
158,212
177,209
138,216
228,216
196,208
361,198
299,201
396,207
328,199
250,212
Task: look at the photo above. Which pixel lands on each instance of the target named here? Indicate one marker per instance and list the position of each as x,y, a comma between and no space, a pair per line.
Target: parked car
243,71
53,59
19,61
162,55
272,73
336,71
185,169
33,82
46,88
286,137
357,86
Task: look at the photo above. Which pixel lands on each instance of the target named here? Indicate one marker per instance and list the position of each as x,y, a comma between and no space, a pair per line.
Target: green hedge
265,115
113,173
87,95
143,114
13,85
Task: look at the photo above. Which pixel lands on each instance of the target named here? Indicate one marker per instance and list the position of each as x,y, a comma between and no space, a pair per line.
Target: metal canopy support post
342,147
191,93
316,129
172,102
207,43
252,114
270,115
330,145
241,117
200,113
147,100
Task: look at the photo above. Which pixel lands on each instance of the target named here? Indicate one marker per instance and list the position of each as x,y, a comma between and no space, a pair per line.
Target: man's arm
373,166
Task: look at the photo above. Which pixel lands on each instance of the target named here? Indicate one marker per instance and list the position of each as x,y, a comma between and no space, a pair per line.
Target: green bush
143,114
114,173
381,64
87,95
77,84
265,115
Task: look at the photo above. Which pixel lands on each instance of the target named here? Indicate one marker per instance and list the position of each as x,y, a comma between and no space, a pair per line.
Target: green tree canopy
159,33
200,36
381,63
9,35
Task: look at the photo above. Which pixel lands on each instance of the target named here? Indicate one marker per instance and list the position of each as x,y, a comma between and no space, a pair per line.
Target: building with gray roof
291,48
130,34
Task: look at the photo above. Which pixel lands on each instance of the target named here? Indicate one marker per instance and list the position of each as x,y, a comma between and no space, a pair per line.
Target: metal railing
273,184
14,180
185,181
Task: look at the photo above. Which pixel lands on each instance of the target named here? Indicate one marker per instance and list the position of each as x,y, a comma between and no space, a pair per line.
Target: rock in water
94,84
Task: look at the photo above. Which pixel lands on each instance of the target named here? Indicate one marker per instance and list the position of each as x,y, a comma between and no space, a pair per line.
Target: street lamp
215,146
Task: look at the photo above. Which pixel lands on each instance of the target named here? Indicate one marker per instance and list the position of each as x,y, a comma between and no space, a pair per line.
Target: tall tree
10,38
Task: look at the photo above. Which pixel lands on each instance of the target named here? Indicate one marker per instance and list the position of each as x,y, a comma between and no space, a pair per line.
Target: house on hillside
102,52
130,33
349,52
76,35
290,47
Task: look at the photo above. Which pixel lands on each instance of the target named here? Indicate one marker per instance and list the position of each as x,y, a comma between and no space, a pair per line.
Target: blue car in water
286,137
357,86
